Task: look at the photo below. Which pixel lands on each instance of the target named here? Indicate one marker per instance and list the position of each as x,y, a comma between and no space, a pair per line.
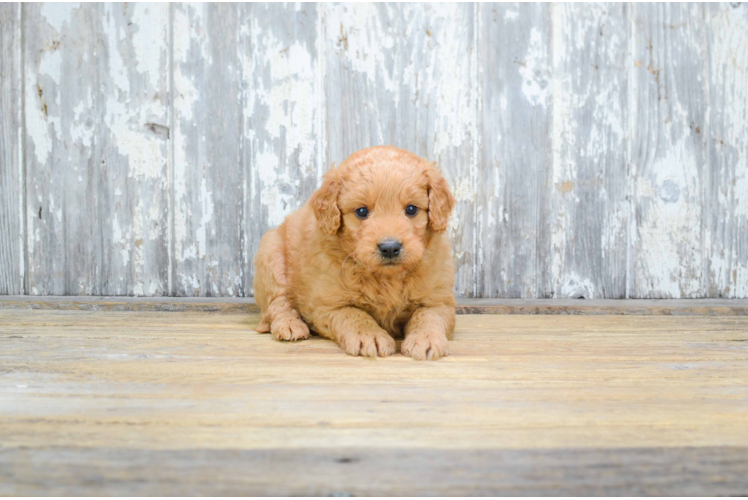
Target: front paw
422,346
289,328
369,344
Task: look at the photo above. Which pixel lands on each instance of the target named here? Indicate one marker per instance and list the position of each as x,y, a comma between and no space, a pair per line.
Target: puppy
364,260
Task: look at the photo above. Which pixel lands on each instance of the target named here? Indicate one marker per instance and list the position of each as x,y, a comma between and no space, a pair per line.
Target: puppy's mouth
390,267
391,263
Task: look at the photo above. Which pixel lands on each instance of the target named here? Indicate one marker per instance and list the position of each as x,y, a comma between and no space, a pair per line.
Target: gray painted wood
596,151
97,95
516,150
283,137
11,167
64,164
589,190
668,150
133,140
405,75
727,142
208,174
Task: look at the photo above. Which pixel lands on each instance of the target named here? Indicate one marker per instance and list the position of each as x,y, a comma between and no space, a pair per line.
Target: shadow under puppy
365,259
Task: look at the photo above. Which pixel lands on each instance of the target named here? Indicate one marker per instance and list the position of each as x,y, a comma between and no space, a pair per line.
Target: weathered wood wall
596,151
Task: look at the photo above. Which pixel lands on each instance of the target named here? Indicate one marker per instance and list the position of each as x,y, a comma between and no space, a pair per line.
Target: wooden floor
153,403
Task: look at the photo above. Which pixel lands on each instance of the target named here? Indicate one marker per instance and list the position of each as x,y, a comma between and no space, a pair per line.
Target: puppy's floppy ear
441,201
324,203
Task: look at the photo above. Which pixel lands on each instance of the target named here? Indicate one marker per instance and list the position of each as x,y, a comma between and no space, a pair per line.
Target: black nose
390,249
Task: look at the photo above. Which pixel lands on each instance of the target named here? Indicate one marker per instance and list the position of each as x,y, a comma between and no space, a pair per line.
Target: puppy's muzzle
390,249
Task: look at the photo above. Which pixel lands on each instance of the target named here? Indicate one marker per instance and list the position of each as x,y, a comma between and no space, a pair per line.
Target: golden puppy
365,259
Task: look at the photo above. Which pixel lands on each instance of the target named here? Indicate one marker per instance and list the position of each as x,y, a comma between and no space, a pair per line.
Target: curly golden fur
325,267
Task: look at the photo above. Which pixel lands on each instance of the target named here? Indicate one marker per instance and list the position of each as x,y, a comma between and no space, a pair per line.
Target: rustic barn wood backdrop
596,151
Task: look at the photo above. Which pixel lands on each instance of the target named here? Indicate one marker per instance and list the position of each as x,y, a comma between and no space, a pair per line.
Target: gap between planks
645,307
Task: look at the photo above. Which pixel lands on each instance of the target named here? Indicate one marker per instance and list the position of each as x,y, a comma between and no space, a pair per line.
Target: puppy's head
383,204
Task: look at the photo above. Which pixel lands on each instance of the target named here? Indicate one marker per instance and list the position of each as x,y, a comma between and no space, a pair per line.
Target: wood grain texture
703,471
727,193
97,128
133,143
114,392
589,191
12,252
405,75
514,189
283,137
669,152
63,159
208,171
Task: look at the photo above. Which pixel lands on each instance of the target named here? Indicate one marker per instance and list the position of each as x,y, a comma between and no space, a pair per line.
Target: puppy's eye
362,212
411,210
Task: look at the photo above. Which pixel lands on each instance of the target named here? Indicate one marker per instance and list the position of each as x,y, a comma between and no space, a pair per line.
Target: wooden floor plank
119,392
376,472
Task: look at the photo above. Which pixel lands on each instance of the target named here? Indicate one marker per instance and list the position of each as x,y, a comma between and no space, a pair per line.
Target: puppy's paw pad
289,328
368,344
425,347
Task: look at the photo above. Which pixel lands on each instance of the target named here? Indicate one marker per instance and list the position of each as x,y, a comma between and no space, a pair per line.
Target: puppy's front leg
355,331
428,331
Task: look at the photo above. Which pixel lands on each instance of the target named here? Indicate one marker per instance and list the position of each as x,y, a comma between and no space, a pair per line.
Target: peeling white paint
152,22
120,240
22,234
118,71
456,110
41,101
576,287
193,281
189,26
562,170
277,204
292,86
464,190
144,153
81,131
180,181
728,258
188,94
285,123
535,83
144,150
206,200
670,251
454,226
357,30
138,249
511,15
590,212
285,84
37,128
59,14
